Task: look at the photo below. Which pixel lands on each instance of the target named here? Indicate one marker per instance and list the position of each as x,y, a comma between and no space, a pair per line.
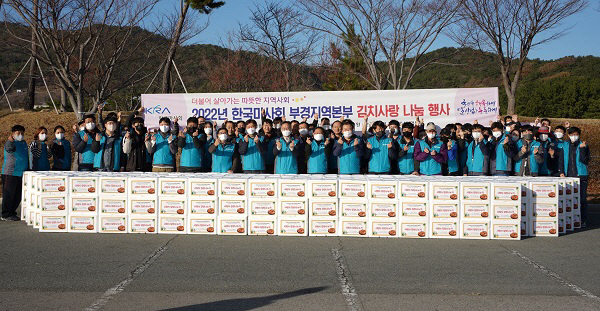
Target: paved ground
184,272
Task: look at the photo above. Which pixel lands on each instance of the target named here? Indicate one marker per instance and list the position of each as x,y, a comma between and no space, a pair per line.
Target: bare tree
204,7
30,99
277,31
510,29
83,43
392,36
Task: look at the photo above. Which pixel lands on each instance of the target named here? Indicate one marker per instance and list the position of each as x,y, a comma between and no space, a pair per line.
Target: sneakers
583,224
10,218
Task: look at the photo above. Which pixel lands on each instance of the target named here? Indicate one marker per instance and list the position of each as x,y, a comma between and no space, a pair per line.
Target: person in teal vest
349,149
40,151
530,154
223,152
252,149
163,146
270,137
405,160
286,151
575,158
550,165
335,135
502,149
82,142
558,139
381,150
464,137
431,153
317,151
16,161
240,128
61,150
478,157
191,143
206,155
108,148
450,168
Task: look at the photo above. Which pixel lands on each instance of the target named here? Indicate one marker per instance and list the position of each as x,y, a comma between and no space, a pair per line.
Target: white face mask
286,133
574,138
251,131
42,137
303,131
90,126
508,129
59,136
222,137
111,127
544,137
82,128
278,126
207,130
430,135
347,134
164,128
326,127
497,134
18,137
476,135
318,137
558,135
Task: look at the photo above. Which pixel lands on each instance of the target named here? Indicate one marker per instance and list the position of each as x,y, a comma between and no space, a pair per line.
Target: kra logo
157,110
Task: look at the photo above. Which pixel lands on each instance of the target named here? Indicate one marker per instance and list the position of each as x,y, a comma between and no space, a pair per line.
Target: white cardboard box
442,191
83,205
175,187
293,188
354,208
172,224
51,184
475,229
142,224
323,226
506,230
262,225
116,186
506,211
414,190
202,225
202,206
353,227
323,208
233,206
142,185
202,187
263,207
293,225
53,222
444,209
52,203
384,228
113,205
172,205
142,205
545,209
263,188
444,228
544,227
292,207
385,189
544,190
475,210
83,185
503,191
83,223
525,226
233,187
414,228
418,209
385,209
325,188
350,188
113,223
474,191
232,225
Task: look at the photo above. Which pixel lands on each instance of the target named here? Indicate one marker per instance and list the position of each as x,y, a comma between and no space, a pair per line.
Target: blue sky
582,39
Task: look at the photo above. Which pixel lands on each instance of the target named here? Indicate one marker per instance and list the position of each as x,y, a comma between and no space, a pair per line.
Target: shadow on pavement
248,303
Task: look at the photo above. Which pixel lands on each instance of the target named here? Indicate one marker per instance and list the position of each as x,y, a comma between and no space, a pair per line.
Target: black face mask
379,134
468,136
445,139
241,130
528,136
407,134
192,129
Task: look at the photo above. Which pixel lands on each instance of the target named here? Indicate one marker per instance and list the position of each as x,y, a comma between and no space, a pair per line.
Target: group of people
504,148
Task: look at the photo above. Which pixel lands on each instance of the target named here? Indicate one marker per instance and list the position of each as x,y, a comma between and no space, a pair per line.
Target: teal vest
582,169
317,162
222,158
42,163
162,152
269,156
534,166
406,164
430,166
190,155
117,148
21,159
453,164
285,162
379,162
253,159
501,158
87,156
348,161
475,157
206,156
